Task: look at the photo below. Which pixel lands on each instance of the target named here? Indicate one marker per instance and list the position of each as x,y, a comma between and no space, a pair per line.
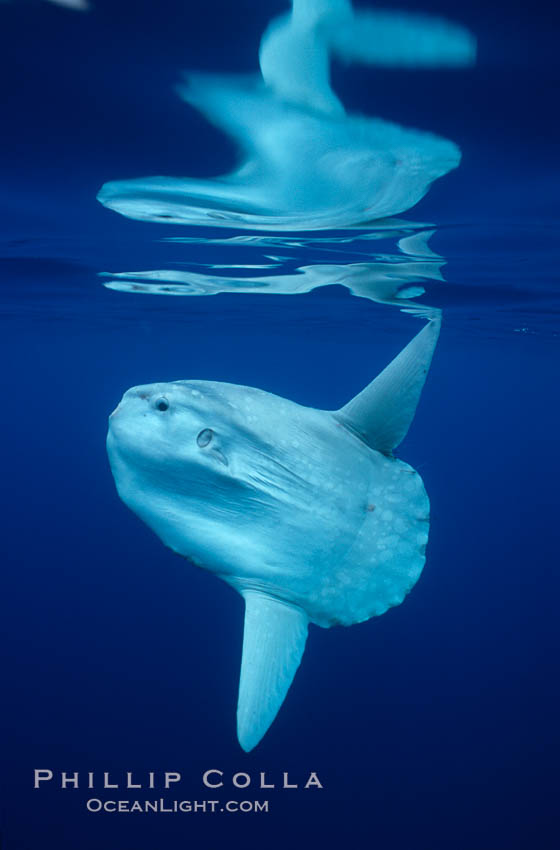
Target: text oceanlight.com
99,784
176,806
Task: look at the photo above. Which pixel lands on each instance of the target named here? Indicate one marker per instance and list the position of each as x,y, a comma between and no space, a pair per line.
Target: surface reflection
393,278
305,163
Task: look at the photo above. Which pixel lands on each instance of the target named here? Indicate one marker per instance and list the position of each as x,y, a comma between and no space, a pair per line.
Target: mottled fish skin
305,512
283,499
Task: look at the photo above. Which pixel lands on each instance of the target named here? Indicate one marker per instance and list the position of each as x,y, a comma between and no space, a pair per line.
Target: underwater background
432,727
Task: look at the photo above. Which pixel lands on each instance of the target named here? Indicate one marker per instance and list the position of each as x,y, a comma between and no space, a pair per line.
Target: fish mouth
144,393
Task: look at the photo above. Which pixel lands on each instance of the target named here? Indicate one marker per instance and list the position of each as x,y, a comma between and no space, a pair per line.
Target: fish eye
205,437
162,404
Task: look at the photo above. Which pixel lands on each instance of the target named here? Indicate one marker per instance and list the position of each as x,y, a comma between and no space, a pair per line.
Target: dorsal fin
382,413
273,643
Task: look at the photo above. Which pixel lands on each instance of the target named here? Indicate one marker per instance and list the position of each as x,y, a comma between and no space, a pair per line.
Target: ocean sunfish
305,512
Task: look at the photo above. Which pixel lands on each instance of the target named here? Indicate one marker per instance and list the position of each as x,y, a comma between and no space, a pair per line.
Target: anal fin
273,642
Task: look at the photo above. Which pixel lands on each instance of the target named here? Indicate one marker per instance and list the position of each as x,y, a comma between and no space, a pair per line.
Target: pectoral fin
381,414
273,643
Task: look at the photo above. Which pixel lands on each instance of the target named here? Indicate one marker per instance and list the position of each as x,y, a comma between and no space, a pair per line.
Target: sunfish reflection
306,164
391,279
385,283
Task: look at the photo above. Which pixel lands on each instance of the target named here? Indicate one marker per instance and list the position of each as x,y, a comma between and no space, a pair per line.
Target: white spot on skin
355,563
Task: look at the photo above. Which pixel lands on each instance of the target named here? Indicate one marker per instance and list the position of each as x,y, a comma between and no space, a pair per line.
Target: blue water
431,727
